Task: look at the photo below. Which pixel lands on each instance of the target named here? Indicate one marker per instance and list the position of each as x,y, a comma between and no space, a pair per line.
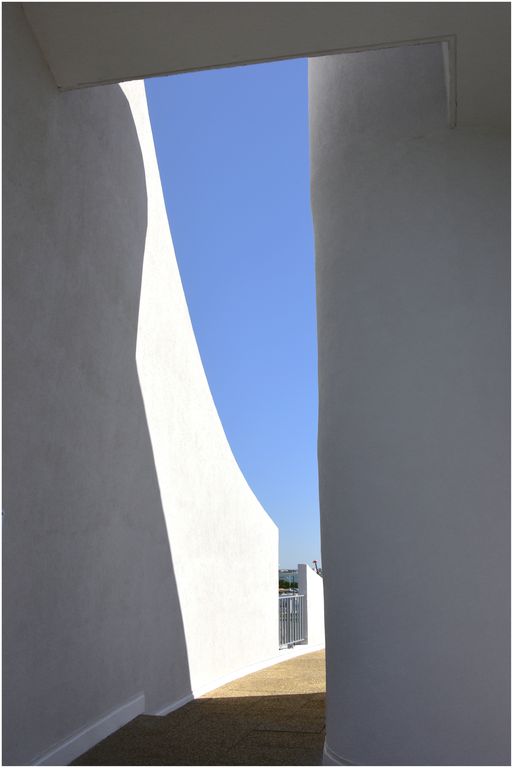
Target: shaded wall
126,514
91,615
412,255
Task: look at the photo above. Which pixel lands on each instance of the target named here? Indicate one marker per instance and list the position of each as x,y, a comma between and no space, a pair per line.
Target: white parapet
311,585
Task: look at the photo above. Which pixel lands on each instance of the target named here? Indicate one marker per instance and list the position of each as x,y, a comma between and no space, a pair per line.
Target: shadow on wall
91,611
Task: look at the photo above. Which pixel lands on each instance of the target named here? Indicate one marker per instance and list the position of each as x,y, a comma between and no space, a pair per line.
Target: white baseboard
331,758
201,690
175,705
87,737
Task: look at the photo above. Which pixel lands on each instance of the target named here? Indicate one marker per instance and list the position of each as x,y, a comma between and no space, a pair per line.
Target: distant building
287,574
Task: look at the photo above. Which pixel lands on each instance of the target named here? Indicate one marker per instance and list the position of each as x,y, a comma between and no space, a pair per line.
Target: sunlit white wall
217,528
312,587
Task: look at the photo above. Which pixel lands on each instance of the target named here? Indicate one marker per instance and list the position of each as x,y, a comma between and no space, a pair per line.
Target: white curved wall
217,528
411,225
96,613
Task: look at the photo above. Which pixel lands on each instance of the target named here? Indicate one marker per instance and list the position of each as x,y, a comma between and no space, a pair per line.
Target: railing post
302,582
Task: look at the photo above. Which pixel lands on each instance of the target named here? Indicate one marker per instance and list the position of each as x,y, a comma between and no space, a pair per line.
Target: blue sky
232,147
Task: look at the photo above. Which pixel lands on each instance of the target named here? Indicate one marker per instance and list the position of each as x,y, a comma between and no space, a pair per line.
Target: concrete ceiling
96,43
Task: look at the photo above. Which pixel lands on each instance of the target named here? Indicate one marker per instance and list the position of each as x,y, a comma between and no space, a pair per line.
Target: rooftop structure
118,480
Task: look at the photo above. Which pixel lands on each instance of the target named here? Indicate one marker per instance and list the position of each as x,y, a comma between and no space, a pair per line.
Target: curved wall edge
329,757
216,526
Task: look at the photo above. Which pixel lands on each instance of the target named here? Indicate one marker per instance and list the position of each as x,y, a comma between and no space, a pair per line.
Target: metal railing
291,619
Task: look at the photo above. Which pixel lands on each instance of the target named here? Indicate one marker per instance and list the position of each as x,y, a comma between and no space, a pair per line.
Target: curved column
411,226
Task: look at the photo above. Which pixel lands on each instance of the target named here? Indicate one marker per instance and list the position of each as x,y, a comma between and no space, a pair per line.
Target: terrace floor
271,717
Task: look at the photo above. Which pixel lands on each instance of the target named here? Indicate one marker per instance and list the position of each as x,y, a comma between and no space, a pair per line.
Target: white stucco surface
97,475
217,528
310,585
411,225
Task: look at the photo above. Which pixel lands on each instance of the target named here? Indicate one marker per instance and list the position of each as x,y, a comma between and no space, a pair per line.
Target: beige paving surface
272,717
